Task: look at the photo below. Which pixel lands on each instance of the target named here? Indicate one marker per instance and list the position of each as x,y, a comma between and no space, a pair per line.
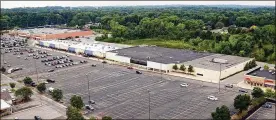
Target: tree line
251,30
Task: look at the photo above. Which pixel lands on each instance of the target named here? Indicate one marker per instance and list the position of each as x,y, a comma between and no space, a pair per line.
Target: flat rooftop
268,74
160,54
47,31
207,62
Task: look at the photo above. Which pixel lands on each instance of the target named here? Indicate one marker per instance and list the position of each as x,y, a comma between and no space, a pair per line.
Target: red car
129,68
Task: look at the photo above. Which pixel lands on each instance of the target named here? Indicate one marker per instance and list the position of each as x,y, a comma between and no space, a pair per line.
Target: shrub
12,85
41,87
25,93
57,94
27,80
175,67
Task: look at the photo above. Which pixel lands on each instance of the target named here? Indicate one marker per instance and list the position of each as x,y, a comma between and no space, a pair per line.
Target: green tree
76,101
241,102
25,93
219,25
253,63
106,118
12,85
257,92
27,80
269,93
57,94
190,69
3,69
246,67
222,113
92,118
73,113
266,67
41,87
175,67
183,68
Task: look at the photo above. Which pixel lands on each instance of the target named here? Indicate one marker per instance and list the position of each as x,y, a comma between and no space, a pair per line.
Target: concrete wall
233,69
115,57
208,75
98,54
156,65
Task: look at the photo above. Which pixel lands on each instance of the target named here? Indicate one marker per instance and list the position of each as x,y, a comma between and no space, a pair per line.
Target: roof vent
171,57
148,57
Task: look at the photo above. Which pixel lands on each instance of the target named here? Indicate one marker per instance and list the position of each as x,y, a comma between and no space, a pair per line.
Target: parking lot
264,113
29,64
121,93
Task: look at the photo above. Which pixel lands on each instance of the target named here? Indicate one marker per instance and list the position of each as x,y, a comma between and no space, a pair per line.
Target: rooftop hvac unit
270,71
218,60
254,74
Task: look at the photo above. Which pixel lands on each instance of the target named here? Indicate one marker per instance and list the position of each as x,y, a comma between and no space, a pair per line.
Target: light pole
88,87
37,79
219,75
149,103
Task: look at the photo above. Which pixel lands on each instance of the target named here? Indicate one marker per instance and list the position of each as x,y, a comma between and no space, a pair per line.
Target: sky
14,4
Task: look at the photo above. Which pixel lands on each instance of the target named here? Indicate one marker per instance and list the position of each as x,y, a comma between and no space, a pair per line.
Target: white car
210,97
184,85
45,82
51,89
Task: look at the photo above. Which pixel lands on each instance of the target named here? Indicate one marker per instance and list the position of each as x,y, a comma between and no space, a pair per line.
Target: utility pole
88,87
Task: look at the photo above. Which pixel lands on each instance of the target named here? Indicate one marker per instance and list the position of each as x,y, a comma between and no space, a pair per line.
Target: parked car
138,72
104,62
229,86
91,102
243,91
267,105
33,84
129,67
37,118
93,65
89,107
184,85
50,81
51,89
210,97
52,70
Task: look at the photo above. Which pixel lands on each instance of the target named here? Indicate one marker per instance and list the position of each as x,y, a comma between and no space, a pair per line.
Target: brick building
261,77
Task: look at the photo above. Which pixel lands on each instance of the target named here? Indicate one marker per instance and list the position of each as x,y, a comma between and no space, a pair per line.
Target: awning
88,52
4,105
41,44
52,45
272,84
71,49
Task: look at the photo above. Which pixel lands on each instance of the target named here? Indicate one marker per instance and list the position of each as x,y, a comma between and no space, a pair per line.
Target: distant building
261,77
6,103
48,32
